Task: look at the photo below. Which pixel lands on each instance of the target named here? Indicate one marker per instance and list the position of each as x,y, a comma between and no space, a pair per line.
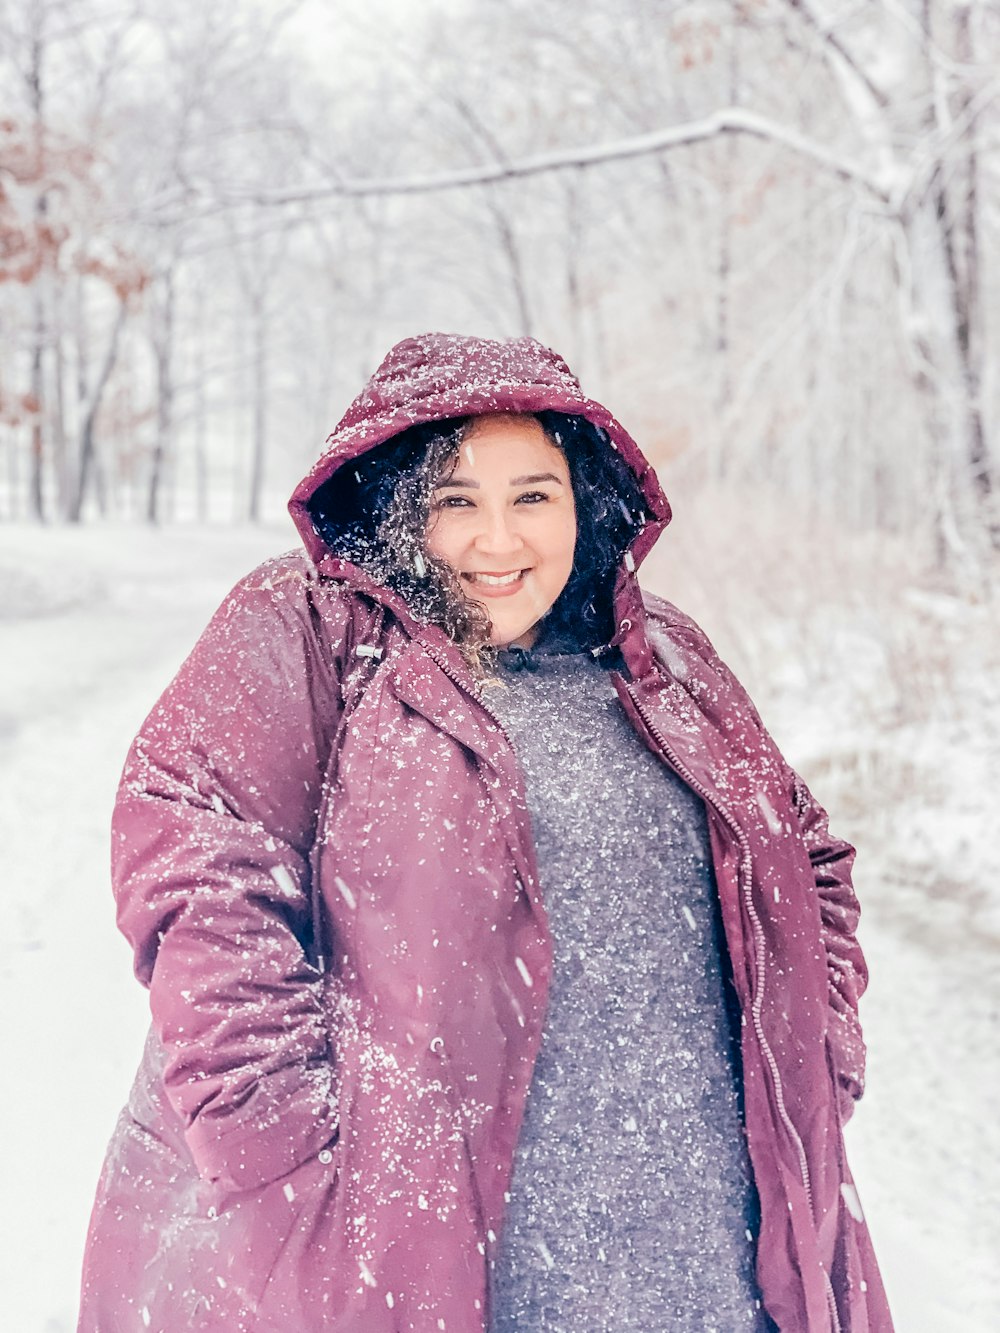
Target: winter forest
762,228
765,232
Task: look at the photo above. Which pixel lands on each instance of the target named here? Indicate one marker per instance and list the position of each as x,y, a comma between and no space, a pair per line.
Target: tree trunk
574,232
89,466
37,456
60,464
259,431
200,371
941,229
512,252
13,477
36,93
724,263
163,342
968,288
939,377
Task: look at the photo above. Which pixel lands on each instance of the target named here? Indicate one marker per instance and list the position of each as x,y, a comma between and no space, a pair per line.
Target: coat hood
440,375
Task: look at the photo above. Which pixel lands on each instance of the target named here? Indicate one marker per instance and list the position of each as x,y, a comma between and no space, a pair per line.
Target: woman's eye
533,497
453,502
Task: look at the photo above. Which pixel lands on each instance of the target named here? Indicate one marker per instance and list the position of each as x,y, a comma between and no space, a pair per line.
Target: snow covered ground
886,697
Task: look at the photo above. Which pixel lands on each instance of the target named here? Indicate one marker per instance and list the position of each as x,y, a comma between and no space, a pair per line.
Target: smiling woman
424,512
503,975
504,520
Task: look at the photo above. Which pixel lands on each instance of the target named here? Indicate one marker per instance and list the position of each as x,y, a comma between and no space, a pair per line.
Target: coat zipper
477,698
746,871
463,685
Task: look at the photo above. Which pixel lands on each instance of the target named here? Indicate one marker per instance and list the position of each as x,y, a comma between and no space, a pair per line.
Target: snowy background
765,232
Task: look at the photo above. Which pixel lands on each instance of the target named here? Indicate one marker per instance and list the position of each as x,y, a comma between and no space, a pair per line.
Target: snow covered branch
836,49
729,120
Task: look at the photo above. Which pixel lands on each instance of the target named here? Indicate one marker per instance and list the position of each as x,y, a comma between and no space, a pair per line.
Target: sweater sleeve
212,833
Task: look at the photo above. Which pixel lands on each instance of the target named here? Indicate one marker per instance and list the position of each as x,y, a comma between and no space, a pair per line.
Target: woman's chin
514,637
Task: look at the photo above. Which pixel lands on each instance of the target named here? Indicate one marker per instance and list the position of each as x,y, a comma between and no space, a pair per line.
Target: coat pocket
197,1256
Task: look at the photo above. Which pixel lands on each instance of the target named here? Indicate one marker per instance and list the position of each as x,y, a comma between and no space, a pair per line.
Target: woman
503,975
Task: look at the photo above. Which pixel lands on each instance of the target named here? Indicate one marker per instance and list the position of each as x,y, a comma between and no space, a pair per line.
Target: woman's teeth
496,580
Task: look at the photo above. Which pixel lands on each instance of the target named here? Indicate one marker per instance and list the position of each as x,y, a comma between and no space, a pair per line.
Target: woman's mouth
496,585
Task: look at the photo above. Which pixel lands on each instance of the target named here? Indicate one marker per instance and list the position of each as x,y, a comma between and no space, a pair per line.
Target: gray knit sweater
632,1205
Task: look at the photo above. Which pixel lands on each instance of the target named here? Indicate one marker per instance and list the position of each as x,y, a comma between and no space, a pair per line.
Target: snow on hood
439,375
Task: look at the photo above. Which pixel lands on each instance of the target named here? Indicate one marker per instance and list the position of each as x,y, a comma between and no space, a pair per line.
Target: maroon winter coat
322,1143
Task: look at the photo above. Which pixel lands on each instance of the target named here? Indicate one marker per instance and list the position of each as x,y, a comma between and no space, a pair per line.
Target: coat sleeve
211,840
832,860
847,972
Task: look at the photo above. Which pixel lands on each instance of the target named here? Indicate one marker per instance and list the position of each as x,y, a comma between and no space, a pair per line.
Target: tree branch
933,155
826,34
730,120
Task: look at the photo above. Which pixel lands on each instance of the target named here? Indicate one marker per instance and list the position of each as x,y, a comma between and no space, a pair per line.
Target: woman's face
505,521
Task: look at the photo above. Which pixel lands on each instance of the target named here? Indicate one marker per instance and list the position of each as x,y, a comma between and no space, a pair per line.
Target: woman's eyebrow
458,481
532,479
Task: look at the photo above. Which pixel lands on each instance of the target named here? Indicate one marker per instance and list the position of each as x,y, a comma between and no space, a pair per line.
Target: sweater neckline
548,653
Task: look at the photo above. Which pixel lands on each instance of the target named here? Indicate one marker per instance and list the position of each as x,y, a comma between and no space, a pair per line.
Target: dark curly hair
375,512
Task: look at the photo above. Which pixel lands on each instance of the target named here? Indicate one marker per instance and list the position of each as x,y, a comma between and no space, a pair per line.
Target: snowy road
92,625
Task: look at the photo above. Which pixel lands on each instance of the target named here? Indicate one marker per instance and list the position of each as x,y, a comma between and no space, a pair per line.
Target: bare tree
765,225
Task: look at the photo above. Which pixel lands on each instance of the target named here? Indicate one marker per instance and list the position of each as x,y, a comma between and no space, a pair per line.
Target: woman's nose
498,534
